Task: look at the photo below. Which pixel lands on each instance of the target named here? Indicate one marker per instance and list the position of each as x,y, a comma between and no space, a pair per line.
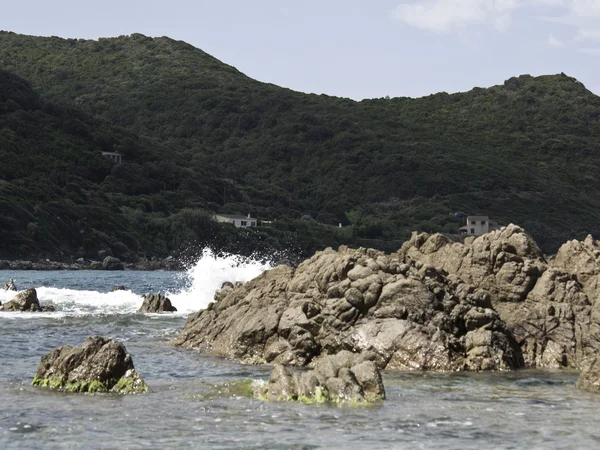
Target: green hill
60,198
198,134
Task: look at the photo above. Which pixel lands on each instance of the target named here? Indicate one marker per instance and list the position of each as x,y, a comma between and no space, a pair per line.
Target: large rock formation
344,377
99,365
156,303
23,301
407,314
550,307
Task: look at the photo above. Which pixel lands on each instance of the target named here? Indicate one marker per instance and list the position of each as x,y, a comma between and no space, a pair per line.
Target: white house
236,219
477,225
113,156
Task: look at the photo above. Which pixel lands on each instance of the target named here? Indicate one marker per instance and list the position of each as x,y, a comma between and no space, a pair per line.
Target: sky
349,48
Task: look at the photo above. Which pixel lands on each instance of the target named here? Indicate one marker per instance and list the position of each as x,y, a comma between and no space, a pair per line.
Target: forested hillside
198,136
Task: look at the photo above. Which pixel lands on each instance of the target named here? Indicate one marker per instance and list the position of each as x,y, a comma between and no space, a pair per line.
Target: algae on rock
98,365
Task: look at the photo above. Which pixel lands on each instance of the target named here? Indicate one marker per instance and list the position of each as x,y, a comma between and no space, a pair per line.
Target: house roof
235,217
478,218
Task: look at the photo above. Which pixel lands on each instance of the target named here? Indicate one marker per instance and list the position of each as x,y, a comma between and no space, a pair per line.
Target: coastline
169,264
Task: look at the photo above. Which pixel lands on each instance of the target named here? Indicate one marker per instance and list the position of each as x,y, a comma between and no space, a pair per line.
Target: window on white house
472,230
472,222
244,223
483,222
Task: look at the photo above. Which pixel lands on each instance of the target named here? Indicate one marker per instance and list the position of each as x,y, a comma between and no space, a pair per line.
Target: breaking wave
188,291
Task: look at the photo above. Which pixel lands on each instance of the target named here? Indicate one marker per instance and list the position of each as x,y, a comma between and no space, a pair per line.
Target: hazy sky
350,48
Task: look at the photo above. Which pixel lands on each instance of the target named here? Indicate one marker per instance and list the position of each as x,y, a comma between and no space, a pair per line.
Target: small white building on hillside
478,225
237,219
113,156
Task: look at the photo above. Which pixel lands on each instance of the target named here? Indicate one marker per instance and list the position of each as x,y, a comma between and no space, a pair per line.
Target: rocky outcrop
99,365
407,314
118,288
506,263
156,303
342,378
23,301
489,303
549,306
226,288
581,259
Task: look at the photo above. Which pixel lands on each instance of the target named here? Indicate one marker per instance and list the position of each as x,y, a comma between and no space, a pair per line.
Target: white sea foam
80,302
201,281
209,273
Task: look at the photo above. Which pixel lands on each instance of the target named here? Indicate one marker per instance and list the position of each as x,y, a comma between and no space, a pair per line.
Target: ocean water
195,402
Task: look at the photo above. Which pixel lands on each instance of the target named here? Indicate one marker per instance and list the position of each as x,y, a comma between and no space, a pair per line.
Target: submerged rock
99,365
344,377
118,288
23,301
156,303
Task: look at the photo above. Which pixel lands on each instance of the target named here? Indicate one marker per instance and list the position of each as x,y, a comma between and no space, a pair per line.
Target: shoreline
112,264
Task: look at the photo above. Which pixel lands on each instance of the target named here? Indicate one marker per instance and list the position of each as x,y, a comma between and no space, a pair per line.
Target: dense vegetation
199,137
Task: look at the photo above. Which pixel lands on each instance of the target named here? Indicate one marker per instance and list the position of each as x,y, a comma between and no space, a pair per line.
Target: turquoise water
193,401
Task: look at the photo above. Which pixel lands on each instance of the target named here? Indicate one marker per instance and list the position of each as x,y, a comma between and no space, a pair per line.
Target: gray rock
341,378
99,365
549,307
491,303
226,287
156,303
589,378
355,300
112,263
23,301
10,285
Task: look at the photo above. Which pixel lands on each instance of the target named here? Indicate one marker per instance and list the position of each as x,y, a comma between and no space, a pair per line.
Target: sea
195,400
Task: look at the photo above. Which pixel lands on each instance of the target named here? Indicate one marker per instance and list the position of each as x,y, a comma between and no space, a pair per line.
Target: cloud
446,15
590,51
554,42
583,18
587,34
441,15
575,13
548,2
585,8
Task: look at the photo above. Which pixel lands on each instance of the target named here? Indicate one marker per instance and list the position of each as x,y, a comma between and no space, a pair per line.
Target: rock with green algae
345,377
98,365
